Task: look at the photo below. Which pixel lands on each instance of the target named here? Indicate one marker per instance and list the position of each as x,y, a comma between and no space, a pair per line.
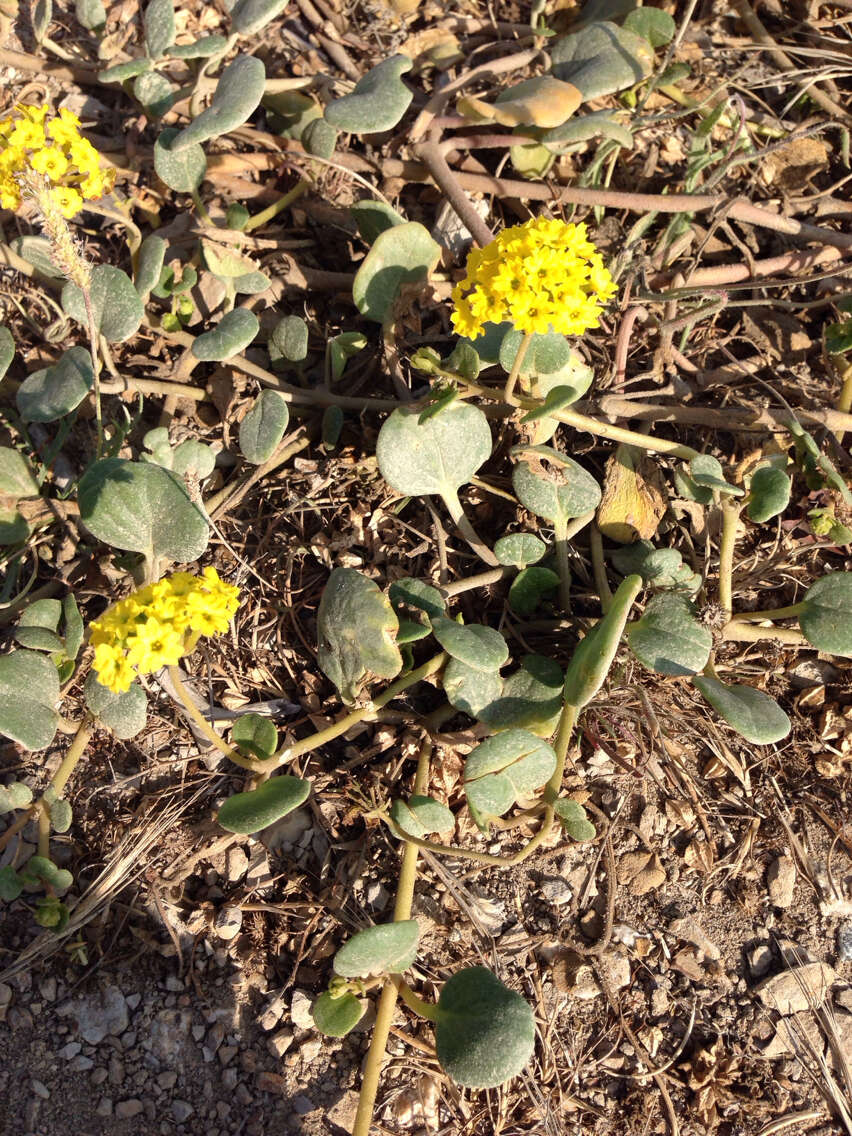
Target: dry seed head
65,250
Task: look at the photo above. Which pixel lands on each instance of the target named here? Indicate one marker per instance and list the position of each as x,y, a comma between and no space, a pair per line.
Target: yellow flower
159,624
50,161
70,201
27,135
542,276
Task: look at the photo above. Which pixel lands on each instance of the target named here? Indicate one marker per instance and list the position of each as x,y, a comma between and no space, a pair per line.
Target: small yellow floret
542,276
159,624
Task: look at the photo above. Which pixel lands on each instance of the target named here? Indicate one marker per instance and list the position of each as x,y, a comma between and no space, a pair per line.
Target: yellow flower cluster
156,626
53,148
544,275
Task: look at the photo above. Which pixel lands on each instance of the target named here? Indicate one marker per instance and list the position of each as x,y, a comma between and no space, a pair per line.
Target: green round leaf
653,24
341,348
246,813
519,549
599,124
752,713
140,507
769,493
16,474
547,353
319,138
36,251
402,255
231,335
40,868
15,795
601,58
55,391
159,24
414,593
91,14
117,308
531,698
193,459
593,656
501,769
249,16
332,426
389,948
658,567
477,646
707,473
469,690
183,171
574,820
356,626
38,639
10,884
530,587
149,264
552,485
377,102
335,1017
255,734
125,714
60,815
155,93
374,217
435,456
669,639
237,96
7,349
121,72
29,691
826,620
484,1032
263,427
289,340
419,816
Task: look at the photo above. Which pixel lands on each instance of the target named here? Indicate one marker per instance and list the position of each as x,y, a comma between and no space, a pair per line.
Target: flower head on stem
159,624
542,276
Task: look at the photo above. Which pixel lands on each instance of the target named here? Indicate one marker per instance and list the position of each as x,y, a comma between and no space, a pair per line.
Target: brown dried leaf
634,498
641,871
699,856
543,101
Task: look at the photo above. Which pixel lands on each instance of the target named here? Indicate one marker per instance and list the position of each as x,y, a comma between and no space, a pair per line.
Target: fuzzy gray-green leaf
752,713
125,714
769,493
237,96
159,24
335,1017
117,308
182,171
7,349
593,656
55,391
263,427
435,456
231,335
419,816
552,485
669,639
249,16
826,620
477,646
389,948
29,691
149,264
402,255
249,812
356,626
502,769
601,58
377,102
485,1032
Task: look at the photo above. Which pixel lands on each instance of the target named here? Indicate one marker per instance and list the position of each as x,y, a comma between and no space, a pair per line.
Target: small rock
844,942
303,1105
760,959
287,831
116,1071
797,989
280,1042
127,1109
47,989
342,1112
844,999
310,1050
68,1051
300,1010
236,864
659,1002
272,1083
182,1110
174,984
227,1053
41,1090
691,931
376,895
100,1015
793,1035
556,891
104,1107
272,1012
781,881
228,922
99,1076
259,876
133,1001
167,1080
81,1064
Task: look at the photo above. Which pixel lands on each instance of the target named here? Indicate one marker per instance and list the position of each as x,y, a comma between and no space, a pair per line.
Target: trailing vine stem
186,700
388,997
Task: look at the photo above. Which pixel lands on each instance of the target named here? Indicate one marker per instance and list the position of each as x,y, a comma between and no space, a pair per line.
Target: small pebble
280,1042
228,922
41,1090
104,1107
844,942
300,1010
182,1110
127,1109
303,1105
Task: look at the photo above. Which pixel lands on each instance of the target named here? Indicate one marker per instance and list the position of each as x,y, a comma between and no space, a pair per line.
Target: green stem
72,756
204,726
387,999
599,568
629,437
272,211
43,830
298,749
773,613
509,389
563,563
201,208
730,520
454,508
739,632
92,329
428,1010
